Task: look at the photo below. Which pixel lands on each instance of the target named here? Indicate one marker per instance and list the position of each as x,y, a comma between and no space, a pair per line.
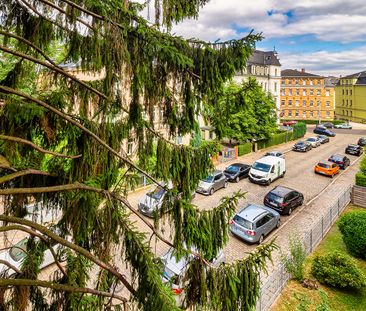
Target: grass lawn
296,297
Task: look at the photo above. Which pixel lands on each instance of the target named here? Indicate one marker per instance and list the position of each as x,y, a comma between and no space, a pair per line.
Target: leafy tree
242,112
62,143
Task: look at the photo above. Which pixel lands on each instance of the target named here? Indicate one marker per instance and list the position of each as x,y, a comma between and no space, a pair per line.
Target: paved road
299,175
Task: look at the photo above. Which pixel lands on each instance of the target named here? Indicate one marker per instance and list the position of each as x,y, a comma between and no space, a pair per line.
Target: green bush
361,180
363,165
275,139
244,149
353,228
295,262
299,130
338,270
315,121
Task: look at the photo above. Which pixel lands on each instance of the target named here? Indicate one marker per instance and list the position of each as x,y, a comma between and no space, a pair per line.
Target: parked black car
323,139
341,160
328,125
354,149
302,146
284,200
237,171
362,141
322,130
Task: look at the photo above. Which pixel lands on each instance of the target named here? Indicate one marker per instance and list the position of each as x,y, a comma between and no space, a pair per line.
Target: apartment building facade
351,98
306,96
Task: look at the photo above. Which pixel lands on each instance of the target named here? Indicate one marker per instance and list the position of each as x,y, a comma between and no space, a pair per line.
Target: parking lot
299,175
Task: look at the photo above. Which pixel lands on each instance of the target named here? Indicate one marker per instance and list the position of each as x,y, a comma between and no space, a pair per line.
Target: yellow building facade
351,98
305,96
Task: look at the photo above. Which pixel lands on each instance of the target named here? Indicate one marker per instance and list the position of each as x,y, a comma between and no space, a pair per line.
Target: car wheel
278,224
269,182
225,184
289,212
332,175
283,174
260,241
212,191
237,179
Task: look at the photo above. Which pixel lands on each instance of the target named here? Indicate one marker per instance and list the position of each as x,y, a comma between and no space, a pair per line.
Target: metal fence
276,281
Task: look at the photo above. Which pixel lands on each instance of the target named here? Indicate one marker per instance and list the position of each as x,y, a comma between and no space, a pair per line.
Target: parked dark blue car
323,131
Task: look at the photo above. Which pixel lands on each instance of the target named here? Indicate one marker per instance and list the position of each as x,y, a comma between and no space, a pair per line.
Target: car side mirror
272,170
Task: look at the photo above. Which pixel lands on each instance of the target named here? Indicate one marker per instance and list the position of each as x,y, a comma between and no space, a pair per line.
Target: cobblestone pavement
299,175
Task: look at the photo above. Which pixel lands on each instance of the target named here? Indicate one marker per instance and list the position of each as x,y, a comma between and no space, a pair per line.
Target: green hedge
361,180
275,139
353,228
245,148
314,121
299,130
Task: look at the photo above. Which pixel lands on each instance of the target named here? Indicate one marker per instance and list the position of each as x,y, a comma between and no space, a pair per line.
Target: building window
303,92
311,103
304,103
303,82
327,93
318,92
297,82
350,113
297,113
275,86
304,114
342,102
311,82
327,103
327,114
347,102
350,92
290,102
212,135
343,92
297,92
283,82
346,92
290,113
283,92
276,72
346,112
290,92
342,112
282,102
129,146
289,81
311,92
311,114
350,102
297,103
318,103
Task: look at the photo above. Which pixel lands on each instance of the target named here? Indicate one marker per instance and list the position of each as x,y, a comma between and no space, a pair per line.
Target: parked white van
267,169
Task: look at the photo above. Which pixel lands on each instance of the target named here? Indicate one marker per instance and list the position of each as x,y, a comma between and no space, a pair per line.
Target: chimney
302,70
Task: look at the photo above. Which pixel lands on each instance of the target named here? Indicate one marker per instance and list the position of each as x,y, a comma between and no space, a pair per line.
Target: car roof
312,137
281,190
239,164
337,155
326,162
353,145
252,211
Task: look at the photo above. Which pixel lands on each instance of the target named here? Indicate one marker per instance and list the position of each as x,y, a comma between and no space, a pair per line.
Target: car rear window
274,197
323,165
336,158
243,222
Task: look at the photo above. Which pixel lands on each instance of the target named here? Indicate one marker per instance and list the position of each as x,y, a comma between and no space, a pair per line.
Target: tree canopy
242,112
63,146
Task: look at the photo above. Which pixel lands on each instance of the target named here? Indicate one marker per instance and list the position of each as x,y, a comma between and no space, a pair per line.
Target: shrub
244,149
294,263
299,130
275,139
338,270
363,165
353,228
361,180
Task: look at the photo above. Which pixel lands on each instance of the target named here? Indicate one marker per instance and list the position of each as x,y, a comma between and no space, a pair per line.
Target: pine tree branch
23,173
44,230
38,148
8,264
5,89
58,287
8,168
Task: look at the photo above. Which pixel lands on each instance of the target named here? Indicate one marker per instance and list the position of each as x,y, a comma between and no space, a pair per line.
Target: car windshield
209,179
17,252
157,193
300,144
352,146
336,158
274,197
311,139
243,222
323,165
261,167
233,169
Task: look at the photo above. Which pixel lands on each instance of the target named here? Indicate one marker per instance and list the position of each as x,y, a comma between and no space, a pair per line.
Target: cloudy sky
324,37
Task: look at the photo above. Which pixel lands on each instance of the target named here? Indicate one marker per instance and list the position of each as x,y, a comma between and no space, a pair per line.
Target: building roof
331,81
264,58
360,76
296,73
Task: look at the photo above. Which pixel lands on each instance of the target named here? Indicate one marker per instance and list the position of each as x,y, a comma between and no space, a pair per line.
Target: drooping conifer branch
34,146
17,174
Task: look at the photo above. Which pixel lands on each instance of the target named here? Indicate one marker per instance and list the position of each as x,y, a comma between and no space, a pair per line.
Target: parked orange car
327,168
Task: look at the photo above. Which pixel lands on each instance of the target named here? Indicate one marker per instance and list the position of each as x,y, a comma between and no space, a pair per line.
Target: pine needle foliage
64,138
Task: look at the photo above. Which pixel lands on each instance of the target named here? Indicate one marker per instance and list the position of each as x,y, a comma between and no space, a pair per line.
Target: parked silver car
254,222
343,126
212,182
314,141
174,272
